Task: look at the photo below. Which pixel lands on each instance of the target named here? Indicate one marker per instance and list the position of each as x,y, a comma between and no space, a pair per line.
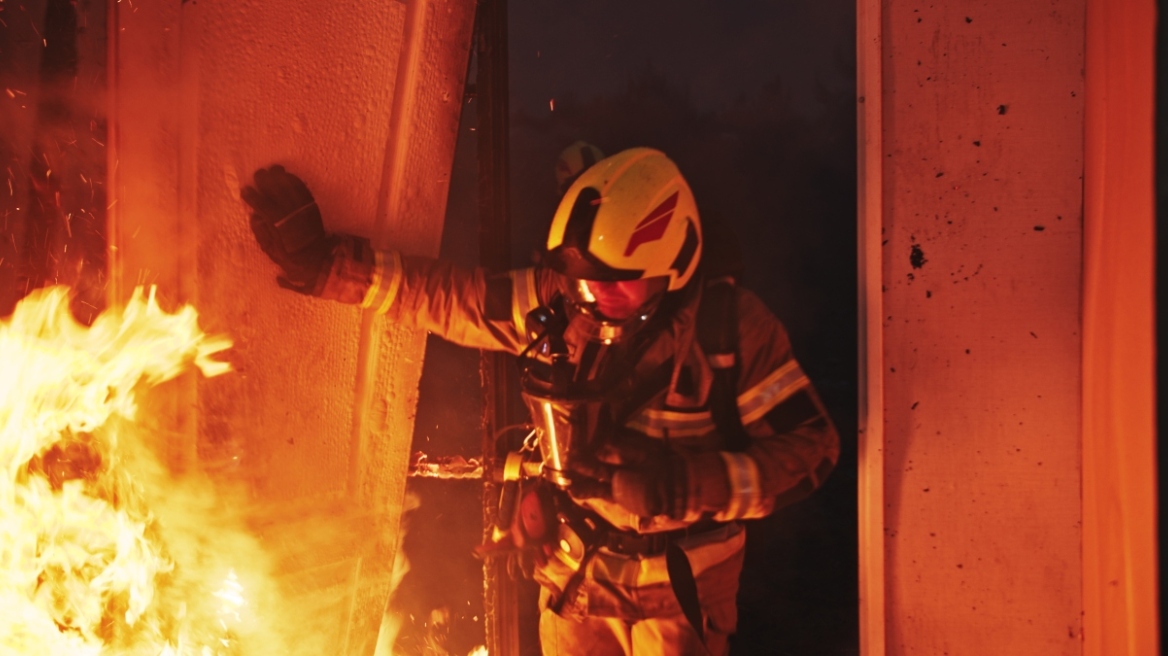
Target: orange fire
102,551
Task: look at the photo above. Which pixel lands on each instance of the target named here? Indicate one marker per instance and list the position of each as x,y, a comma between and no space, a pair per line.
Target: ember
101,551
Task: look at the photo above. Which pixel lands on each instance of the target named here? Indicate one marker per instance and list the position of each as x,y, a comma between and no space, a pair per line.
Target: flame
92,558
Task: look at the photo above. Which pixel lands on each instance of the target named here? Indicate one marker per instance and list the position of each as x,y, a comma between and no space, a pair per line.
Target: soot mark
917,257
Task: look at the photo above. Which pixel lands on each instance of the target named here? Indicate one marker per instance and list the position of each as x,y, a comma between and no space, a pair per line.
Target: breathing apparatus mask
576,359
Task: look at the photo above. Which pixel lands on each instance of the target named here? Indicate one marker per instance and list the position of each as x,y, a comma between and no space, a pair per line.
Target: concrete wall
362,101
973,165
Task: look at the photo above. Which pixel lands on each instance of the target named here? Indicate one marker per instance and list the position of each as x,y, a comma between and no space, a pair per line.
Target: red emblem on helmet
652,227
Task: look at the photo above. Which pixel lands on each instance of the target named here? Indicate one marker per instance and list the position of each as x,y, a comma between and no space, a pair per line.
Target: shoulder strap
717,333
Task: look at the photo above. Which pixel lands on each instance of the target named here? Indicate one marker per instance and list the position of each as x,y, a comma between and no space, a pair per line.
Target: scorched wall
360,99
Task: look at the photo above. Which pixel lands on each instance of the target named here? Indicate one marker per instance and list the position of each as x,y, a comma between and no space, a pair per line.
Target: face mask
574,363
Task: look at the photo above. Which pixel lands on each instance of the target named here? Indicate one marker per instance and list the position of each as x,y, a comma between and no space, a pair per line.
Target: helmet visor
618,300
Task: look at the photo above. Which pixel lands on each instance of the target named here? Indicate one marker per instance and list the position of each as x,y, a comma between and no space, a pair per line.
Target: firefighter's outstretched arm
467,307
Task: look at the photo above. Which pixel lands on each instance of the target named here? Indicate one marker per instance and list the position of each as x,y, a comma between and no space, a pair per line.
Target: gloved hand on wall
287,224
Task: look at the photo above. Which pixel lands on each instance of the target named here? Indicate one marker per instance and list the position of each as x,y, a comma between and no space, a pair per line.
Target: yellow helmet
628,217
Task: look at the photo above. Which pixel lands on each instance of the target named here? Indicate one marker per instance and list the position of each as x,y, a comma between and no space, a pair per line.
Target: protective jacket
793,447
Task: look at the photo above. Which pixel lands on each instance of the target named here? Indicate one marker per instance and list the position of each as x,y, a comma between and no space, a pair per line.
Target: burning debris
446,467
101,551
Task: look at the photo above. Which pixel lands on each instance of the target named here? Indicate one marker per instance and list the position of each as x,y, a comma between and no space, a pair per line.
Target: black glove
652,488
287,224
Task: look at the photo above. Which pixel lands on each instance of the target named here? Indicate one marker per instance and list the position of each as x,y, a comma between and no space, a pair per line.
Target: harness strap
631,543
685,587
717,333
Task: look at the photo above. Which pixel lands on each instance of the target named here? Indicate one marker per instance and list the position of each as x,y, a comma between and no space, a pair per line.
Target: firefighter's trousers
626,606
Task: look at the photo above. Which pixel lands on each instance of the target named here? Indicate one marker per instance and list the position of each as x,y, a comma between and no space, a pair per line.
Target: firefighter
711,420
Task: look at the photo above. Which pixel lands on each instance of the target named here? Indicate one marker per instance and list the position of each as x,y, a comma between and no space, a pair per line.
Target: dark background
755,102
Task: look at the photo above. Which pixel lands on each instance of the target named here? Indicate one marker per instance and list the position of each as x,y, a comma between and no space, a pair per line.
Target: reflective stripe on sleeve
753,404
387,278
745,488
773,390
524,299
721,360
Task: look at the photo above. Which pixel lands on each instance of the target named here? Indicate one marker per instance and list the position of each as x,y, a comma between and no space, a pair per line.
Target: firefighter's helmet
630,216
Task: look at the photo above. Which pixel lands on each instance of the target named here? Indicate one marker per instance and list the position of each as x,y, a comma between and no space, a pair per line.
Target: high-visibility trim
524,299
387,278
721,360
375,285
745,487
773,390
659,423
753,404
